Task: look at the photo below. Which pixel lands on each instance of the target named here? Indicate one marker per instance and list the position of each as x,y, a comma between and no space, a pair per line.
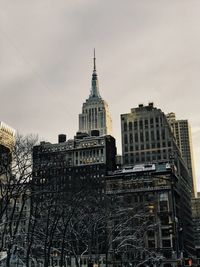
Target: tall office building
146,136
7,136
7,139
182,133
95,113
71,173
196,221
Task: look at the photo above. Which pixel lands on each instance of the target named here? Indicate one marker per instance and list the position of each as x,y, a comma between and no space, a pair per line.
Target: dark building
156,189
196,221
69,176
147,137
80,158
182,132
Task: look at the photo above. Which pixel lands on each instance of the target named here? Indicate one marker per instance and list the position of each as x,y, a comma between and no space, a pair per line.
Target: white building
95,113
7,136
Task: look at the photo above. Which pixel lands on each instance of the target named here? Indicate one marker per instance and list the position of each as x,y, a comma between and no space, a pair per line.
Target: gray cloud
146,51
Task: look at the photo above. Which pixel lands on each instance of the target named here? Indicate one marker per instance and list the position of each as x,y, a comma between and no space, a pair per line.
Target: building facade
70,174
91,156
196,221
146,136
182,133
154,188
7,139
7,136
95,113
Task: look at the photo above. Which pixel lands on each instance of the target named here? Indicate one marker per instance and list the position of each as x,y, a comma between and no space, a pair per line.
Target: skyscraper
146,136
7,139
7,136
196,221
182,133
72,174
95,113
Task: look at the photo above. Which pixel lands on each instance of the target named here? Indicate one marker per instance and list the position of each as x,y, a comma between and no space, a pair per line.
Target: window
131,138
137,159
152,136
165,232
128,199
125,126
147,136
163,133
130,126
164,219
151,233
151,243
158,135
166,243
135,125
141,137
136,137
164,205
125,139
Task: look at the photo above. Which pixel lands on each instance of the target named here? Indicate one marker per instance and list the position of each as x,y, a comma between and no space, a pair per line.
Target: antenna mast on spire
94,61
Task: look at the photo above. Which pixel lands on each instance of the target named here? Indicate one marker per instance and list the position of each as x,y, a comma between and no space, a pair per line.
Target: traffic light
171,228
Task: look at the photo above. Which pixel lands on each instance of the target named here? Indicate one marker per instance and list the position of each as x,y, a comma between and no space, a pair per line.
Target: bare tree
119,232
41,219
16,172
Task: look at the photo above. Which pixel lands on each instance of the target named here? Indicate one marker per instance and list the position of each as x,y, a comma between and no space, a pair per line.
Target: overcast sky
146,50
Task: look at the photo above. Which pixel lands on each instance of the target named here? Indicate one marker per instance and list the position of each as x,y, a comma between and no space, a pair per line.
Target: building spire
94,61
95,85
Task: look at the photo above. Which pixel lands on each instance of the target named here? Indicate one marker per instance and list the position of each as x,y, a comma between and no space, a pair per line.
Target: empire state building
95,113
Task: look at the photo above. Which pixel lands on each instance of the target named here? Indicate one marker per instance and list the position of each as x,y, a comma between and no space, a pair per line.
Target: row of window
91,143
152,122
145,157
144,136
91,152
92,110
137,147
166,243
89,160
